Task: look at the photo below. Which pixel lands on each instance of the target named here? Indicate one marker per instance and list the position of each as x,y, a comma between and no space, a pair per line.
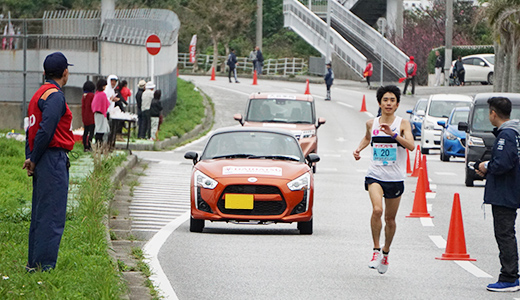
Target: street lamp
381,23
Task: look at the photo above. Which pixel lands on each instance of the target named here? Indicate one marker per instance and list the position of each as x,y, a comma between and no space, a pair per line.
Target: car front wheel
469,181
196,225
444,157
490,78
305,227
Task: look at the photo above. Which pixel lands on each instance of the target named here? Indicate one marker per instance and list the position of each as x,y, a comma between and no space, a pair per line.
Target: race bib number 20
385,154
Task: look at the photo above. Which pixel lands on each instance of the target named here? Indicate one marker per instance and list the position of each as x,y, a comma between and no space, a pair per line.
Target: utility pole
328,59
449,38
259,23
381,23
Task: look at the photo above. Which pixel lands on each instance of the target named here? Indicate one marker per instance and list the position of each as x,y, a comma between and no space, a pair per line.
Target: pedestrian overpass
351,39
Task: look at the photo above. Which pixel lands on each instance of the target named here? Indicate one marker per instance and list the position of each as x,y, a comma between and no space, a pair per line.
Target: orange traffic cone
408,168
420,209
307,90
255,79
212,73
417,162
363,105
456,244
424,165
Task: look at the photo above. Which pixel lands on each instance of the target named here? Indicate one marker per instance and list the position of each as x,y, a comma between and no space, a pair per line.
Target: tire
469,178
305,227
490,78
196,225
425,151
444,157
314,168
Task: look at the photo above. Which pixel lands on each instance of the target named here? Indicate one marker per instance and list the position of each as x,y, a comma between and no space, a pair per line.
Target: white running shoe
377,256
383,266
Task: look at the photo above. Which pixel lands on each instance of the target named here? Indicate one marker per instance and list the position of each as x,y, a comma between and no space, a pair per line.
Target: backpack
410,68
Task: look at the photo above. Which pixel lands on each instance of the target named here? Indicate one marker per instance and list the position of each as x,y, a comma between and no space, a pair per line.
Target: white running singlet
388,157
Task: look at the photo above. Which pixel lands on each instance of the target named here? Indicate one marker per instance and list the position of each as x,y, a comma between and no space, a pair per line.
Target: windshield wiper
284,157
235,155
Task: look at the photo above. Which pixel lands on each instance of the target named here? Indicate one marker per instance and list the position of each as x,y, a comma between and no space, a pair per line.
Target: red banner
193,48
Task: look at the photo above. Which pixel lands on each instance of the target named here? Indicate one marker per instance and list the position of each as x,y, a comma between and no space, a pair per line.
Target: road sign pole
152,65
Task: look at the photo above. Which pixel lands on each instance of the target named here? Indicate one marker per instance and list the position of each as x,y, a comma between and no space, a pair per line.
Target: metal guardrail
280,66
311,28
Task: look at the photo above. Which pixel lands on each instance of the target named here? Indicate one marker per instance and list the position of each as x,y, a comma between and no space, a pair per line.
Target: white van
439,108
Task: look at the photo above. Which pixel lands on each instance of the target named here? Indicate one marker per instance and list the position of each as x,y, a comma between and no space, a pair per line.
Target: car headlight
301,183
427,125
475,141
204,180
450,136
308,133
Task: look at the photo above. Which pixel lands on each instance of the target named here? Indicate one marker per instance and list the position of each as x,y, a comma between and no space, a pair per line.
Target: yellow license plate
239,201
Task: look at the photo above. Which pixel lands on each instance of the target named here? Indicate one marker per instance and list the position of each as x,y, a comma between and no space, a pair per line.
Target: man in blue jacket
329,78
232,63
502,191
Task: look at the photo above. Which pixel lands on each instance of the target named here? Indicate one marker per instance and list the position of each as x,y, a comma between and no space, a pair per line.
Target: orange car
294,112
252,175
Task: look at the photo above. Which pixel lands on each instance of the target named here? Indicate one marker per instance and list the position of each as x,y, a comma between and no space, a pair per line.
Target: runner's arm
365,141
405,137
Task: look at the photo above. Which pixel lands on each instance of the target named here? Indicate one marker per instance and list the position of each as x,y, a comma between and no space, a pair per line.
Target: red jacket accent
414,69
63,136
86,109
368,70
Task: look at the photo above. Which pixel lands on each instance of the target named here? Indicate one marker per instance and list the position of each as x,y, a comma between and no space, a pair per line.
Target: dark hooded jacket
503,171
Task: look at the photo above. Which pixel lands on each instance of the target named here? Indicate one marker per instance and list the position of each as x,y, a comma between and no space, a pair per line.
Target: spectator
87,116
110,91
144,130
502,190
439,65
100,105
329,79
252,58
458,69
369,69
232,63
259,61
411,70
123,93
155,113
49,138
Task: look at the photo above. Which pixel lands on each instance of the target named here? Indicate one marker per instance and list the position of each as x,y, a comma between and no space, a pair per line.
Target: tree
504,16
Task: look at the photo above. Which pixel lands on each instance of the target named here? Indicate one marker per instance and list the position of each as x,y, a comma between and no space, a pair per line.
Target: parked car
479,131
478,67
416,116
453,141
438,108
294,112
252,175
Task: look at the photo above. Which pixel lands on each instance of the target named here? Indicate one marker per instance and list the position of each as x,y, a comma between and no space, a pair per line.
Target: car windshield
253,145
459,116
490,58
280,110
442,109
481,122
421,105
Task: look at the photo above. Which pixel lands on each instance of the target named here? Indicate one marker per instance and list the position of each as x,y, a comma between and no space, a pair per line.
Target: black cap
55,63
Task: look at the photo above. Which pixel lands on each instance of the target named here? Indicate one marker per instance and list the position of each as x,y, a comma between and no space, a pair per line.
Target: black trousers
368,80
234,72
504,223
88,134
407,81
145,128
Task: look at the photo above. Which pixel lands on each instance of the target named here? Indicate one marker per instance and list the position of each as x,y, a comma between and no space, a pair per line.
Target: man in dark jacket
139,101
232,63
502,191
329,78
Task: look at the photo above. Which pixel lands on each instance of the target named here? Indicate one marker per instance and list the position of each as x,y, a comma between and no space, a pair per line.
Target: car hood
455,131
260,168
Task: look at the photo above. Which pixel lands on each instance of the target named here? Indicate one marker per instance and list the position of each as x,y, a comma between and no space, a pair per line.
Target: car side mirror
442,123
239,118
482,64
463,126
409,111
192,155
312,158
421,113
321,121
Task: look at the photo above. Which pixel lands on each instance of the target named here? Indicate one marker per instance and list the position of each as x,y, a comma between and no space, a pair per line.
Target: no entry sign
153,44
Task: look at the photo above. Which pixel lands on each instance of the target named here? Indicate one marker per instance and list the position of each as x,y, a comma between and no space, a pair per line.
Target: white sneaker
377,256
383,266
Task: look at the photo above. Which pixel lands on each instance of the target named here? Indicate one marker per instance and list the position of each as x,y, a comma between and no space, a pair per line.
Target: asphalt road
230,261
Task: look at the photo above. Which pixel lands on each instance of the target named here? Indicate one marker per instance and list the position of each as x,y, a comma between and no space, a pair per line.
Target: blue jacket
503,171
329,77
232,60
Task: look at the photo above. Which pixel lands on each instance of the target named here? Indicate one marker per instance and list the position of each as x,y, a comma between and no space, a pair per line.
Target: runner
389,136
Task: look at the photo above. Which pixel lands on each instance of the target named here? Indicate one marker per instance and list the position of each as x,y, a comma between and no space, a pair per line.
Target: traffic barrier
424,165
456,244
212,73
417,162
255,79
420,209
307,89
363,105
408,168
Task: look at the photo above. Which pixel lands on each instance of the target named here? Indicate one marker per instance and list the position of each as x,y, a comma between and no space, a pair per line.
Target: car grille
260,208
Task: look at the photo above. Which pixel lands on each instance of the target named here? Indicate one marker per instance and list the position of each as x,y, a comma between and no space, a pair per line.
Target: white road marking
433,186
430,195
439,241
231,90
427,222
340,139
429,206
468,266
345,104
369,114
446,173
